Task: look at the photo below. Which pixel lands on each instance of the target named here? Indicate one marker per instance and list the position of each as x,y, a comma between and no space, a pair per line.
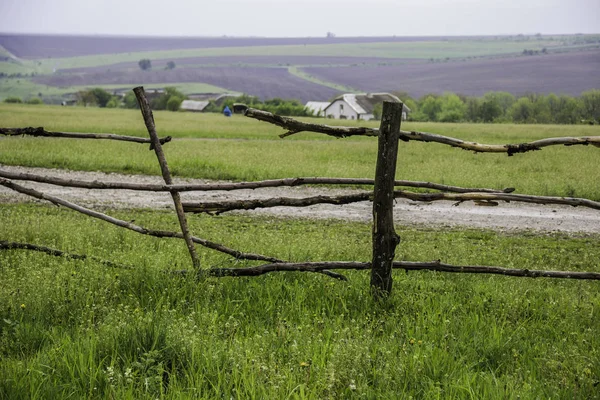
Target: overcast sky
296,18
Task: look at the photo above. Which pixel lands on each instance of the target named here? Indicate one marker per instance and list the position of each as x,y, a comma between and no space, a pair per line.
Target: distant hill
317,69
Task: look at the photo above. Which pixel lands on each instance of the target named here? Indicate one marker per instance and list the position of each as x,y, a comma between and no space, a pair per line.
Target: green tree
145,64
112,103
473,109
504,99
490,110
13,100
171,65
130,101
452,109
522,111
590,105
569,110
174,103
102,96
431,106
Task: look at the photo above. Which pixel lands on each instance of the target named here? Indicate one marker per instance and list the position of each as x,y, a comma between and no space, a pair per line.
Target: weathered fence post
385,238
149,121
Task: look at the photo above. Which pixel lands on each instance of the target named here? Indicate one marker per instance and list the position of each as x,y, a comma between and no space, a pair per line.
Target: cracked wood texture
385,238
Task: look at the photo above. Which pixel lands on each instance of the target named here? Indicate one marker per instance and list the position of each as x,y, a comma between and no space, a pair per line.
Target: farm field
78,328
568,73
260,66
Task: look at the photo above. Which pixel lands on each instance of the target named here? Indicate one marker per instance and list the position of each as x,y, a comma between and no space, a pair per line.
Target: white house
359,106
317,107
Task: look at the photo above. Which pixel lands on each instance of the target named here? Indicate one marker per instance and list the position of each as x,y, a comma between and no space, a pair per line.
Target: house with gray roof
193,105
360,105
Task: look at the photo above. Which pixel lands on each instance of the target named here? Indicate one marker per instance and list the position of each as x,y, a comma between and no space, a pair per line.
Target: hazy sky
299,18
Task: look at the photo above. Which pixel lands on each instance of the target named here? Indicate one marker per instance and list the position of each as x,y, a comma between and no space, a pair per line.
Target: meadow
214,147
79,329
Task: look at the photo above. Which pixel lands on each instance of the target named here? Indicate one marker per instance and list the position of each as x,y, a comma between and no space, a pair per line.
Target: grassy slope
250,150
79,329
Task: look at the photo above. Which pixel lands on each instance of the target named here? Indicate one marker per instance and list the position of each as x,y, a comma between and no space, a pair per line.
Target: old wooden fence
384,238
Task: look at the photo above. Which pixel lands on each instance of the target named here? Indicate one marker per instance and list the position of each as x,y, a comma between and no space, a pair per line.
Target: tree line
503,107
493,107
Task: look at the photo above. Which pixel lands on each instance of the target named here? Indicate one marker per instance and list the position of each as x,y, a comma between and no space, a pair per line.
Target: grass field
214,147
79,329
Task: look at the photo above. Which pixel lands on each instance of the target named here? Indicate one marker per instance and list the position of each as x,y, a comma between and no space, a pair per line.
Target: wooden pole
149,121
385,238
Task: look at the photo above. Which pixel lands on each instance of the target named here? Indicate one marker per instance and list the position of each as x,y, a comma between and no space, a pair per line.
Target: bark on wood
224,206
293,126
479,198
510,149
149,121
385,238
405,265
76,135
6,245
136,228
25,176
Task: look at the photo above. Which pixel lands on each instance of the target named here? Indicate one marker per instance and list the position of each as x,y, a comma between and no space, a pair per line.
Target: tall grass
81,330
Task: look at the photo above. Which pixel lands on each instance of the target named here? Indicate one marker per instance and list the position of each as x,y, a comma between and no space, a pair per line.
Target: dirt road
505,217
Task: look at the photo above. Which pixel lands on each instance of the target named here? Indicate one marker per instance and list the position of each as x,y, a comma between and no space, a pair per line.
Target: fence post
385,238
149,121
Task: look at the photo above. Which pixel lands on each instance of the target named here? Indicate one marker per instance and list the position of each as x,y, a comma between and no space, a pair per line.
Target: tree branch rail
294,126
40,131
290,182
231,205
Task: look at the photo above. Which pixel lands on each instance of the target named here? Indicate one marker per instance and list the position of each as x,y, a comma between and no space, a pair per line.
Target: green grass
77,329
214,147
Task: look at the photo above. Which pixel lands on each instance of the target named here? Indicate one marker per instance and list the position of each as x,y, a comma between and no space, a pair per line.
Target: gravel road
505,217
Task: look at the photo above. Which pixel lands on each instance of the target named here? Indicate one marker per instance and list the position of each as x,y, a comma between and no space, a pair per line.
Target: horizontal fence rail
294,126
41,132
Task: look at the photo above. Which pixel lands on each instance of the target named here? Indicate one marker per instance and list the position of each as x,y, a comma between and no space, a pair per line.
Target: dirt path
506,217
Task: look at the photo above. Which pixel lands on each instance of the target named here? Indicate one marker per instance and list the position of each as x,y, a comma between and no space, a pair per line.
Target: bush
35,100
13,100
174,103
112,103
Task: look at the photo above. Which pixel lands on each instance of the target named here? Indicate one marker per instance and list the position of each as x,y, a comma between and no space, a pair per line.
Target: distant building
193,105
359,106
317,107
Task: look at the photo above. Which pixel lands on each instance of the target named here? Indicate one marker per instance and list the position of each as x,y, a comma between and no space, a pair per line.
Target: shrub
13,100
35,100
174,103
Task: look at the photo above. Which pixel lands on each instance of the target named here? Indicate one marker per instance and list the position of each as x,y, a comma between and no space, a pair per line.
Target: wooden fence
384,238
